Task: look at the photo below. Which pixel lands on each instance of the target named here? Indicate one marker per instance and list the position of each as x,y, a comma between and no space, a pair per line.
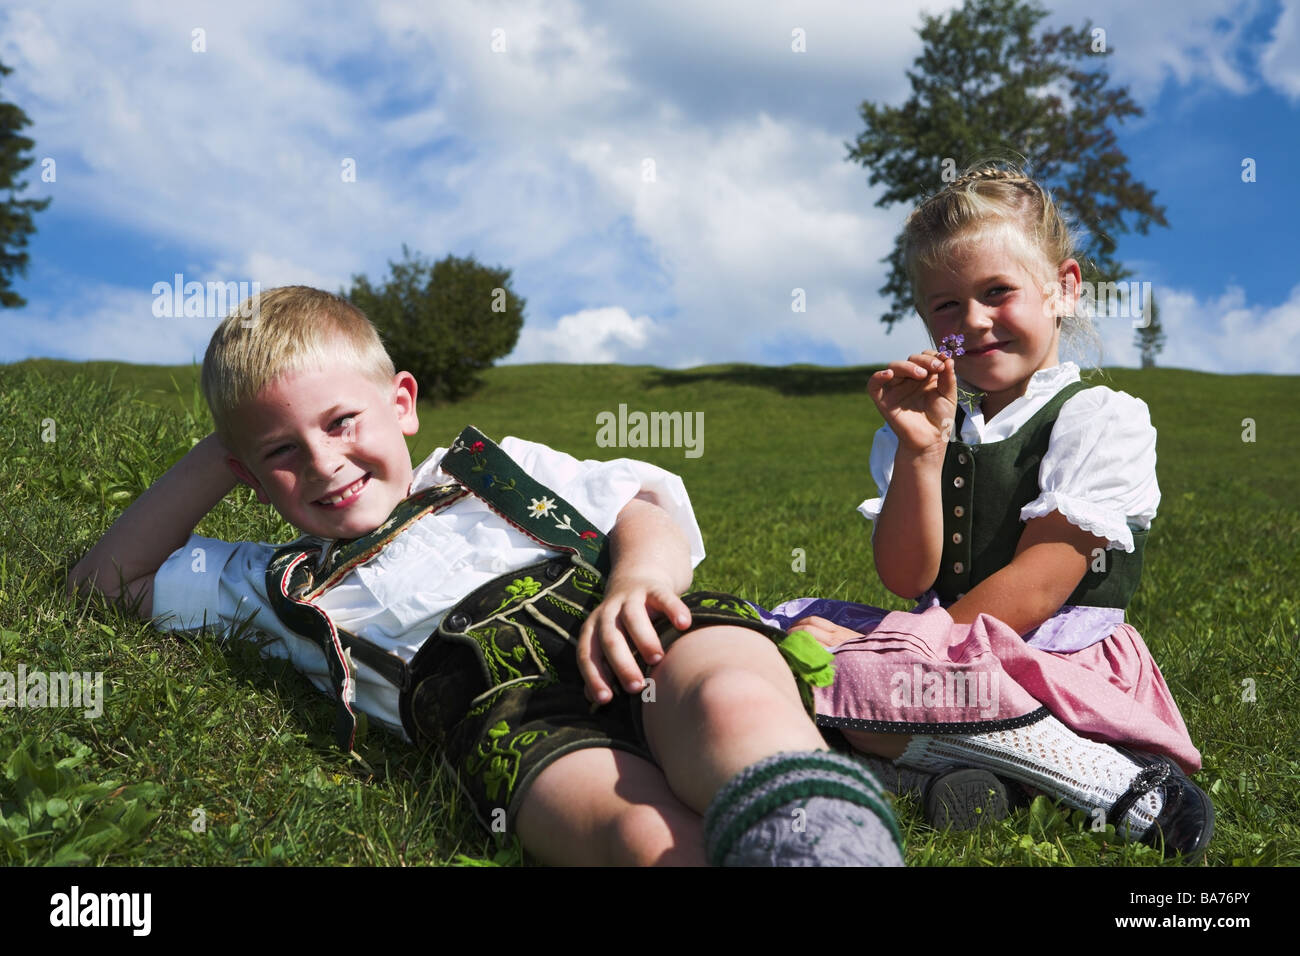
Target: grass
206,754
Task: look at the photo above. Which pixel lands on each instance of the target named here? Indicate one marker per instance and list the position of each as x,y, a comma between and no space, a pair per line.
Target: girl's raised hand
917,398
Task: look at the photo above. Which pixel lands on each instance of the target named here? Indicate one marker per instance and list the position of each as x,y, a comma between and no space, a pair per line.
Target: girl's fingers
948,381
929,360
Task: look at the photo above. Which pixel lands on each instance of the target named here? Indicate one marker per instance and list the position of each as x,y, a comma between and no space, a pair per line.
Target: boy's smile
325,448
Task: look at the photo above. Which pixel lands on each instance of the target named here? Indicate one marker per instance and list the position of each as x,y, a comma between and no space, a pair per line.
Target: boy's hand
826,633
918,399
620,623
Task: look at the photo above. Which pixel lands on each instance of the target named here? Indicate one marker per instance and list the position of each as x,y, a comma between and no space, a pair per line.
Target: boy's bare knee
649,835
731,698
716,649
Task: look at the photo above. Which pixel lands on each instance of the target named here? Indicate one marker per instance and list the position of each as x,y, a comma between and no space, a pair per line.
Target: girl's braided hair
993,201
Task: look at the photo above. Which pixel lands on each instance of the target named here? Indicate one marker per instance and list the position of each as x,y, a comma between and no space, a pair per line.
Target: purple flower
951,346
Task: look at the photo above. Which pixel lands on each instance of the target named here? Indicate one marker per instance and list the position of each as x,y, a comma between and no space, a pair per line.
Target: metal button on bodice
956,537
457,621
958,511
961,459
958,567
959,482
554,570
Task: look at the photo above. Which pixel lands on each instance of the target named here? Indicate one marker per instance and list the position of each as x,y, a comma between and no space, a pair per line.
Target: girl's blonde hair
289,329
995,201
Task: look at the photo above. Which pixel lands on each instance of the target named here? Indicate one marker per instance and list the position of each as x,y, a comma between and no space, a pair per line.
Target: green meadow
207,755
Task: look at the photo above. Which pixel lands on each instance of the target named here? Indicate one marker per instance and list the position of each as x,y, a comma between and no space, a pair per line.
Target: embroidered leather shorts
497,689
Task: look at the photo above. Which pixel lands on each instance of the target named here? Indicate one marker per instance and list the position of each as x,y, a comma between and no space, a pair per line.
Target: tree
1150,338
445,321
15,214
987,87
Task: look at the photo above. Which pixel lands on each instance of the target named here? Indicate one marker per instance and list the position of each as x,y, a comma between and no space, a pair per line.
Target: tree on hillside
15,214
987,85
1150,338
445,321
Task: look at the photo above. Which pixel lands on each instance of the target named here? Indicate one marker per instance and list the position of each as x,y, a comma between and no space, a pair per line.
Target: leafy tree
444,321
987,86
1150,339
15,214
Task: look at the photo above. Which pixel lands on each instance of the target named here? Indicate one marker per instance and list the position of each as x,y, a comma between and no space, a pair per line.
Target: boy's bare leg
727,725
724,699
604,807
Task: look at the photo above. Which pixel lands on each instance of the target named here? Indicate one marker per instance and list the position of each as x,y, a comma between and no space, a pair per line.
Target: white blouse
398,597
1100,467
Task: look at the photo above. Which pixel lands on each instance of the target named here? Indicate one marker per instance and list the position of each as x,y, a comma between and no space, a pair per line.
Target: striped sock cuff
784,778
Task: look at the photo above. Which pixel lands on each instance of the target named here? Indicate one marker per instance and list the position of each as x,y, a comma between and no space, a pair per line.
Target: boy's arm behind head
123,562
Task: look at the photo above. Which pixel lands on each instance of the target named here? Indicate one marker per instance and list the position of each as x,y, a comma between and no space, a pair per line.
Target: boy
435,602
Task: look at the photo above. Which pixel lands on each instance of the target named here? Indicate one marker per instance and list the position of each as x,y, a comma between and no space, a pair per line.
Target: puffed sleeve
213,583
221,585
883,448
1100,467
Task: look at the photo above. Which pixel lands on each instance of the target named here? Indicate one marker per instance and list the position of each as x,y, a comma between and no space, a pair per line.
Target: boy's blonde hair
290,329
994,201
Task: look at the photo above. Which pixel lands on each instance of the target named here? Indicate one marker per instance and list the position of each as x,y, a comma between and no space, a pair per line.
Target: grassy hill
196,732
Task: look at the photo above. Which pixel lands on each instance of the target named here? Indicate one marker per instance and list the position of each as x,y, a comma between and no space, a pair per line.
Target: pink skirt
922,673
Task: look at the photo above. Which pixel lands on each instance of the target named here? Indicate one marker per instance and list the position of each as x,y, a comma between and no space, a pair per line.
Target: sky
660,177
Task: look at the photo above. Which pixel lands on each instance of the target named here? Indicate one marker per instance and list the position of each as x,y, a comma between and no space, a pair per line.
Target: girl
1016,501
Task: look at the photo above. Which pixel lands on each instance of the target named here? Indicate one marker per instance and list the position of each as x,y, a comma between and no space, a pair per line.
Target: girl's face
1008,317
326,449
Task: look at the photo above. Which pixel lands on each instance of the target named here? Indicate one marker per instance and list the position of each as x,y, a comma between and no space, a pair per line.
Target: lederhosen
496,688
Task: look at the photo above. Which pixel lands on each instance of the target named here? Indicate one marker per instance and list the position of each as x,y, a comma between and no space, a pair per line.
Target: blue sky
225,165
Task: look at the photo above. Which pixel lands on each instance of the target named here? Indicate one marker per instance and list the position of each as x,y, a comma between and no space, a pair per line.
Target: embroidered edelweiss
541,508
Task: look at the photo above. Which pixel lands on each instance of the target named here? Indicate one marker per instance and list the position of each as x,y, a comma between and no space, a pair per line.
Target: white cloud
1280,61
105,322
1187,41
1224,333
590,336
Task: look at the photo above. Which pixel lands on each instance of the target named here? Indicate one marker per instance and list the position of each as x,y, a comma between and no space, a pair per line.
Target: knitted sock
813,808
1047,755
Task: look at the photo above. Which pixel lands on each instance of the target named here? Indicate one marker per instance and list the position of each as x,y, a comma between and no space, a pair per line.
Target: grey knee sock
813,808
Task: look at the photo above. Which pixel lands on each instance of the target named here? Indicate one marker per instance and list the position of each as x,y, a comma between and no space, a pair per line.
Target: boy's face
324,447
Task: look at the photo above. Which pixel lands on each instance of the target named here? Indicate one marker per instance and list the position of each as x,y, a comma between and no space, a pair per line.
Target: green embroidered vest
985,487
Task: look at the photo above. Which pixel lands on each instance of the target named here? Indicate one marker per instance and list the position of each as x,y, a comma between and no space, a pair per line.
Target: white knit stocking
1047,755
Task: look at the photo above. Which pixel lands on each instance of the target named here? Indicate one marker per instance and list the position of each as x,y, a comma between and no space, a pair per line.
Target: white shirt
398,597
1100,467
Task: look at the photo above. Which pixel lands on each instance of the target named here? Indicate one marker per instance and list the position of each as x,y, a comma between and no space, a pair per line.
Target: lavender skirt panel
1071,629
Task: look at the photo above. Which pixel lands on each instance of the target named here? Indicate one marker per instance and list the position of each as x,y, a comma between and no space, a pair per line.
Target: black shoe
963,799
1186,821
